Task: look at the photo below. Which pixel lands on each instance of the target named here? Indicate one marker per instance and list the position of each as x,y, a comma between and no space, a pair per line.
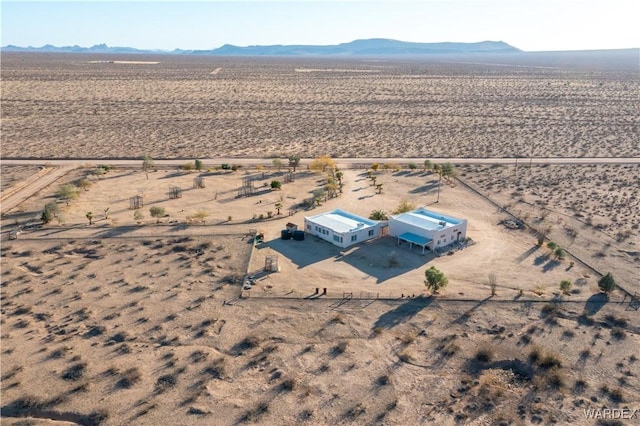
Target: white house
341,228
427,229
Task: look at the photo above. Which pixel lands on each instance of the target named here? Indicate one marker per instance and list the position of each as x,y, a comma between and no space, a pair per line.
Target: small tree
412,166
448,171
147,164
201,215
276,184
89,216
294,161
379,188
278,207
565,286
50,212
378,215
436,279
198,165
552,245
607,284
106,213
428,165
404,206
339,176
560,253
277,163
375,167
67,192
157,212
322,163
138,215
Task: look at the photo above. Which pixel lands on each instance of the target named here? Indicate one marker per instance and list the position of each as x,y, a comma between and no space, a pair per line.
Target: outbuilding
427,229
341,228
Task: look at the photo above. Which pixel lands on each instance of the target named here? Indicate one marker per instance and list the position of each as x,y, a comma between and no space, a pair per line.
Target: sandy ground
120,322
63,106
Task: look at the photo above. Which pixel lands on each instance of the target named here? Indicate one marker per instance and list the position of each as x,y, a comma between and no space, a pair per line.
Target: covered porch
414,239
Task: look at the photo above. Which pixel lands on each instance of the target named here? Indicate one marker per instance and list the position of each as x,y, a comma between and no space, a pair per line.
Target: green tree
339,176
277,163
448,171
67,192
318,195
276,184
294,161
378,215
278,207
565,286
560,253
138,215
404,206
552,245
428,165
607,284
198,165
89,216
412,166
436,280
51,210
147,165
157,212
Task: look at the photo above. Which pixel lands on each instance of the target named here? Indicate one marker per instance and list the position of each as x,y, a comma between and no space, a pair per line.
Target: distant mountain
368,47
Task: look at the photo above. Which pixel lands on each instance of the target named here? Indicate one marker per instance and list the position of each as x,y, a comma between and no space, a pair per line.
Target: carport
412,239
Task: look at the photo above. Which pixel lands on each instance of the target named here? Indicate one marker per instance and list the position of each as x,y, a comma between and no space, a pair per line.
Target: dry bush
129,378
484,354
74,372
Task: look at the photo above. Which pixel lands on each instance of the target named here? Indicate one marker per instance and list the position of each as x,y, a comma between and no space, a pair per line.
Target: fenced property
136,202
248,187
199,183
175,192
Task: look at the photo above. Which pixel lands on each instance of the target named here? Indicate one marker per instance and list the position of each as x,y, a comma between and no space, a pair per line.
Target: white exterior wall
343,240
441,237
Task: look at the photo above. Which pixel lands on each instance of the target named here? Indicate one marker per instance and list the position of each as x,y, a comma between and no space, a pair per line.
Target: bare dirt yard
92,106
127,321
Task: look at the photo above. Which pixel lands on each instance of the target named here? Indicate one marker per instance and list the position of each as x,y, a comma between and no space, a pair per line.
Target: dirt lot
66,106
120,322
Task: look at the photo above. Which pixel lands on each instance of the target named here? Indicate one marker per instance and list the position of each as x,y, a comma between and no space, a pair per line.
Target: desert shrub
607,284
618,333
383,380
555,379
287,385
484,354
339,349
75,372
406,356
565,286
552,245
408,337
245,344
129,378
165,382
549,360
216,369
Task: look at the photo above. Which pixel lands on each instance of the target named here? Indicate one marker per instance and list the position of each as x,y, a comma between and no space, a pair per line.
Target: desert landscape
125,316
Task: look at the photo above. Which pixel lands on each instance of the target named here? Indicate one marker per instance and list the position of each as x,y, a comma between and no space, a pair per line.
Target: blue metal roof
415,239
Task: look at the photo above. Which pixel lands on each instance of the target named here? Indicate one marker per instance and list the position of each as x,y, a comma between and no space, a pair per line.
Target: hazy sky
531,25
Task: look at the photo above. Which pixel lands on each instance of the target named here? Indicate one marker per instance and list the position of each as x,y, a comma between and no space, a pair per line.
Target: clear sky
531,25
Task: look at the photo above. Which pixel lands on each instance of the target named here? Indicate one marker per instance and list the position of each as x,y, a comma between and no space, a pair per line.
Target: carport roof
415,239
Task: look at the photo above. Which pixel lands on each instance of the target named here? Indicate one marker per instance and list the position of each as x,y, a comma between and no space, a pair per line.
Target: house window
354,238
371,232
336,238
438,242
309,227
452,238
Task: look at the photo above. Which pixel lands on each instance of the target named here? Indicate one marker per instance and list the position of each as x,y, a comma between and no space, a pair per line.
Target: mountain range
366,47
